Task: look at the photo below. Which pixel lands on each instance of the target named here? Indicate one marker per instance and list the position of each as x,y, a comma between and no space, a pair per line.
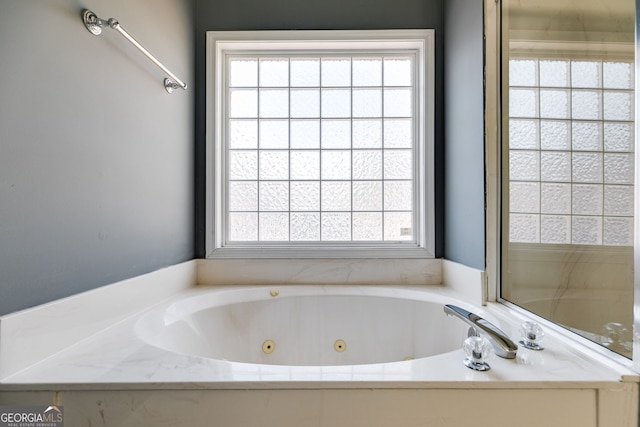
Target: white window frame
222,43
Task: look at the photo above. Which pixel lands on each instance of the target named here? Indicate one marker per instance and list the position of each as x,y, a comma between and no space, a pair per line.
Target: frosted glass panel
274,103
305,164
524,165
274,134
243,73
305,103
335,196
367,196
398,133
396,225
523,102
555,198
398,195
618,136
524,197
587,199
555,166
243,226
398,72
554,73
554,104
398,103
367,103
618,168
367,72
555,229
336,134
367,164
336,72
524,228
243,165
523,134
618,200
586,230
617,75
336,103
398,164
587,167
555,135
305,72
336,165
243,134
586,136
274,72
274,196
305,196
586,105
274,165
367,226
305,133
586,74
274,226
243,103
523,72
618,105
618,231
335,226
243,196
305,226
367,134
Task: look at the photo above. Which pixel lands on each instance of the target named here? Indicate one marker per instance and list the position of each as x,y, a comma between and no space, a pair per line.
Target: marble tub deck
115,358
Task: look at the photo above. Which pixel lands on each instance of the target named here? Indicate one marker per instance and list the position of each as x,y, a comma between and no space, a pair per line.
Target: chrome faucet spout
501,343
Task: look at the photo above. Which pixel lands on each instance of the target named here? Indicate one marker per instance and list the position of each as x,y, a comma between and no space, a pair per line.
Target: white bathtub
161,350
304,326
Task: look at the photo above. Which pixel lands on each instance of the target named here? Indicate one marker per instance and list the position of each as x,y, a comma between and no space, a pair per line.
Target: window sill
315,252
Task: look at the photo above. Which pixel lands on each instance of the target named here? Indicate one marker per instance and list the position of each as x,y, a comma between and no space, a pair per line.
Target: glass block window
571,143
322,146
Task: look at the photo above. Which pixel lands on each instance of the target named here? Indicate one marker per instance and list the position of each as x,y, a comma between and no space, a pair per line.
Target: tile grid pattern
320,148
571,151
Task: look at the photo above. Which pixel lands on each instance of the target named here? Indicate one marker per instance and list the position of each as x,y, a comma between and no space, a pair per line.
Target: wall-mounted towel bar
95,25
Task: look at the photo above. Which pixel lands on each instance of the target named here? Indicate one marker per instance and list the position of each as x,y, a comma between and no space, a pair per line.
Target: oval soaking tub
304,325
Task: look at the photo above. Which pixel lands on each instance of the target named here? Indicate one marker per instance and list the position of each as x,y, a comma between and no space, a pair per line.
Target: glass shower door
568,164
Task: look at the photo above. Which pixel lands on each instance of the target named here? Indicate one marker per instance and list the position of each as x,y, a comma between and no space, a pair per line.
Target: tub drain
268,346
340,346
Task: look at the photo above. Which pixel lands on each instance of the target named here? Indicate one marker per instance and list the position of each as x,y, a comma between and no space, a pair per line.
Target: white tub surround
32,335
110,376
406,272
468,282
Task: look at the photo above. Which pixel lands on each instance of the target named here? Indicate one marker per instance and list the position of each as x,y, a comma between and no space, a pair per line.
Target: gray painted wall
96,159
464,133
223,15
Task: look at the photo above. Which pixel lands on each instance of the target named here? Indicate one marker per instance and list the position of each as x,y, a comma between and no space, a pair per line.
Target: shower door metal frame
636,253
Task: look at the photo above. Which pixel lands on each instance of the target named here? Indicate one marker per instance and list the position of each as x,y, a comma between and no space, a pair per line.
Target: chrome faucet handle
532,334
477,349
501,343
